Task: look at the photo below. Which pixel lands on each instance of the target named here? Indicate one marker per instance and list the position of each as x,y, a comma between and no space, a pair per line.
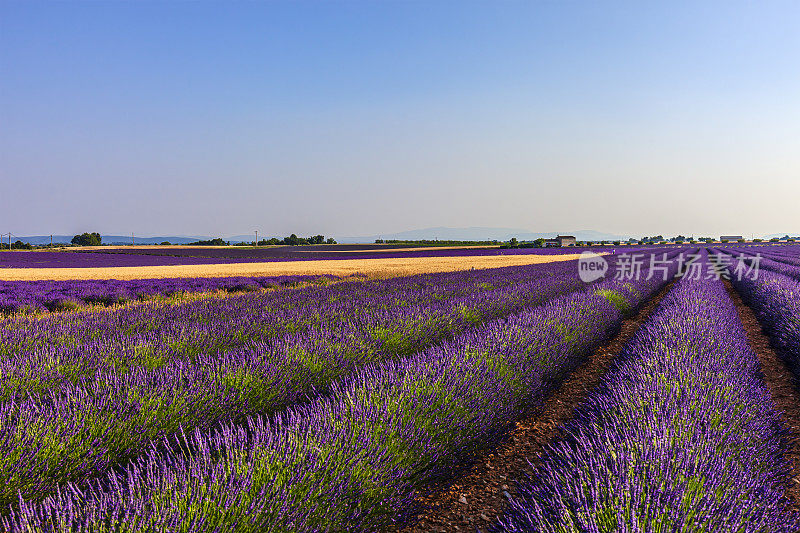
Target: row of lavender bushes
784,260
37,296
682,435
775,298
212,324
64,259
32,297
351,460
84,392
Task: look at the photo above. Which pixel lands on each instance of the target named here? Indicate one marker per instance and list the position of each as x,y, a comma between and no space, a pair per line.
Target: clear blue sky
359,118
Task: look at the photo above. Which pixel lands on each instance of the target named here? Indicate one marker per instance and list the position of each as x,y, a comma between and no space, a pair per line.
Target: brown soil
373,268
477,497
782,386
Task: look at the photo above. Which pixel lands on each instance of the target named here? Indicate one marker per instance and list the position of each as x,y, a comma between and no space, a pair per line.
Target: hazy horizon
357,119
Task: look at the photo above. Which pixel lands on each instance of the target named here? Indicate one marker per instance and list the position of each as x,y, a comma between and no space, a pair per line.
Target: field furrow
681,436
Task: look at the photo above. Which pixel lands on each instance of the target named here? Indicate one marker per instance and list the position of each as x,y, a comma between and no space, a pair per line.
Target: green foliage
294,240
87,239
63,305
616,299
211,242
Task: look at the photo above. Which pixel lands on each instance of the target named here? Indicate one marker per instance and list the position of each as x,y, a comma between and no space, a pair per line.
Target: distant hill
474,233
782,235
480,234
108,239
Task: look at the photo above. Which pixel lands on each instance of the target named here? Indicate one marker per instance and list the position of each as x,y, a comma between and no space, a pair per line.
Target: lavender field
306,403
399,266
31,297
189,255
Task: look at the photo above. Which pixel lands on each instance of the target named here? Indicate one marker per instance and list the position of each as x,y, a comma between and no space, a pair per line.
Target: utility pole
256,237
133,240
51,240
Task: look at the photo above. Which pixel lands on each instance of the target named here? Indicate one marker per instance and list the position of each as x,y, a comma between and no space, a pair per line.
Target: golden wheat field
373,268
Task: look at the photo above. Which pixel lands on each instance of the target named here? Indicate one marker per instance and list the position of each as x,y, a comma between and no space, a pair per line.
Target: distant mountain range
482,234
440,233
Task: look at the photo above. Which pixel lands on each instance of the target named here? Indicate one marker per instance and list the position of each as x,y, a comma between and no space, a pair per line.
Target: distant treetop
87,239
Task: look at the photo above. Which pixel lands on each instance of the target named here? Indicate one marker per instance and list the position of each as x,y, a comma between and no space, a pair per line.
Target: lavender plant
84,392
681,436
352,460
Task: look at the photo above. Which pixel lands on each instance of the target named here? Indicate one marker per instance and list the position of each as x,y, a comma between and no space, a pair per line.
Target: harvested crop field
373,268
108,257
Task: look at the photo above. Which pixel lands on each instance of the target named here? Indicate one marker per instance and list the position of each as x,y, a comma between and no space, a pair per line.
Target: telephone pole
256,237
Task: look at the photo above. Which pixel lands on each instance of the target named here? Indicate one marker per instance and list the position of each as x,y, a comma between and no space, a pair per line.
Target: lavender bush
681,436
350,461
775,298
33,296
94,388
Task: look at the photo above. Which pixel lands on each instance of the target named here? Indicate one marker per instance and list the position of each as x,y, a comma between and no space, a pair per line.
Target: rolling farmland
517,398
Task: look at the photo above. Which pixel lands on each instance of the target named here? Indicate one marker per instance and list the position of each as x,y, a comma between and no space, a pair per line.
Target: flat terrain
183,248
130,257
373,268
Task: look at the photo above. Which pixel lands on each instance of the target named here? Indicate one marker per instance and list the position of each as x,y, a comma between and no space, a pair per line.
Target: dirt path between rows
781,383
479,495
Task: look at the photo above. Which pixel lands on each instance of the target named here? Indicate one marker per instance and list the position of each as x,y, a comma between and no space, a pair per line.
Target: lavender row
71,412
39,296
775,298
43,259
33,296
785,261
353,460
681,436
212,324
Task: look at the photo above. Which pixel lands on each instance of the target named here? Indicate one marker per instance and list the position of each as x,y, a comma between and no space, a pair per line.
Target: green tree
211,242
19,245
87,239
